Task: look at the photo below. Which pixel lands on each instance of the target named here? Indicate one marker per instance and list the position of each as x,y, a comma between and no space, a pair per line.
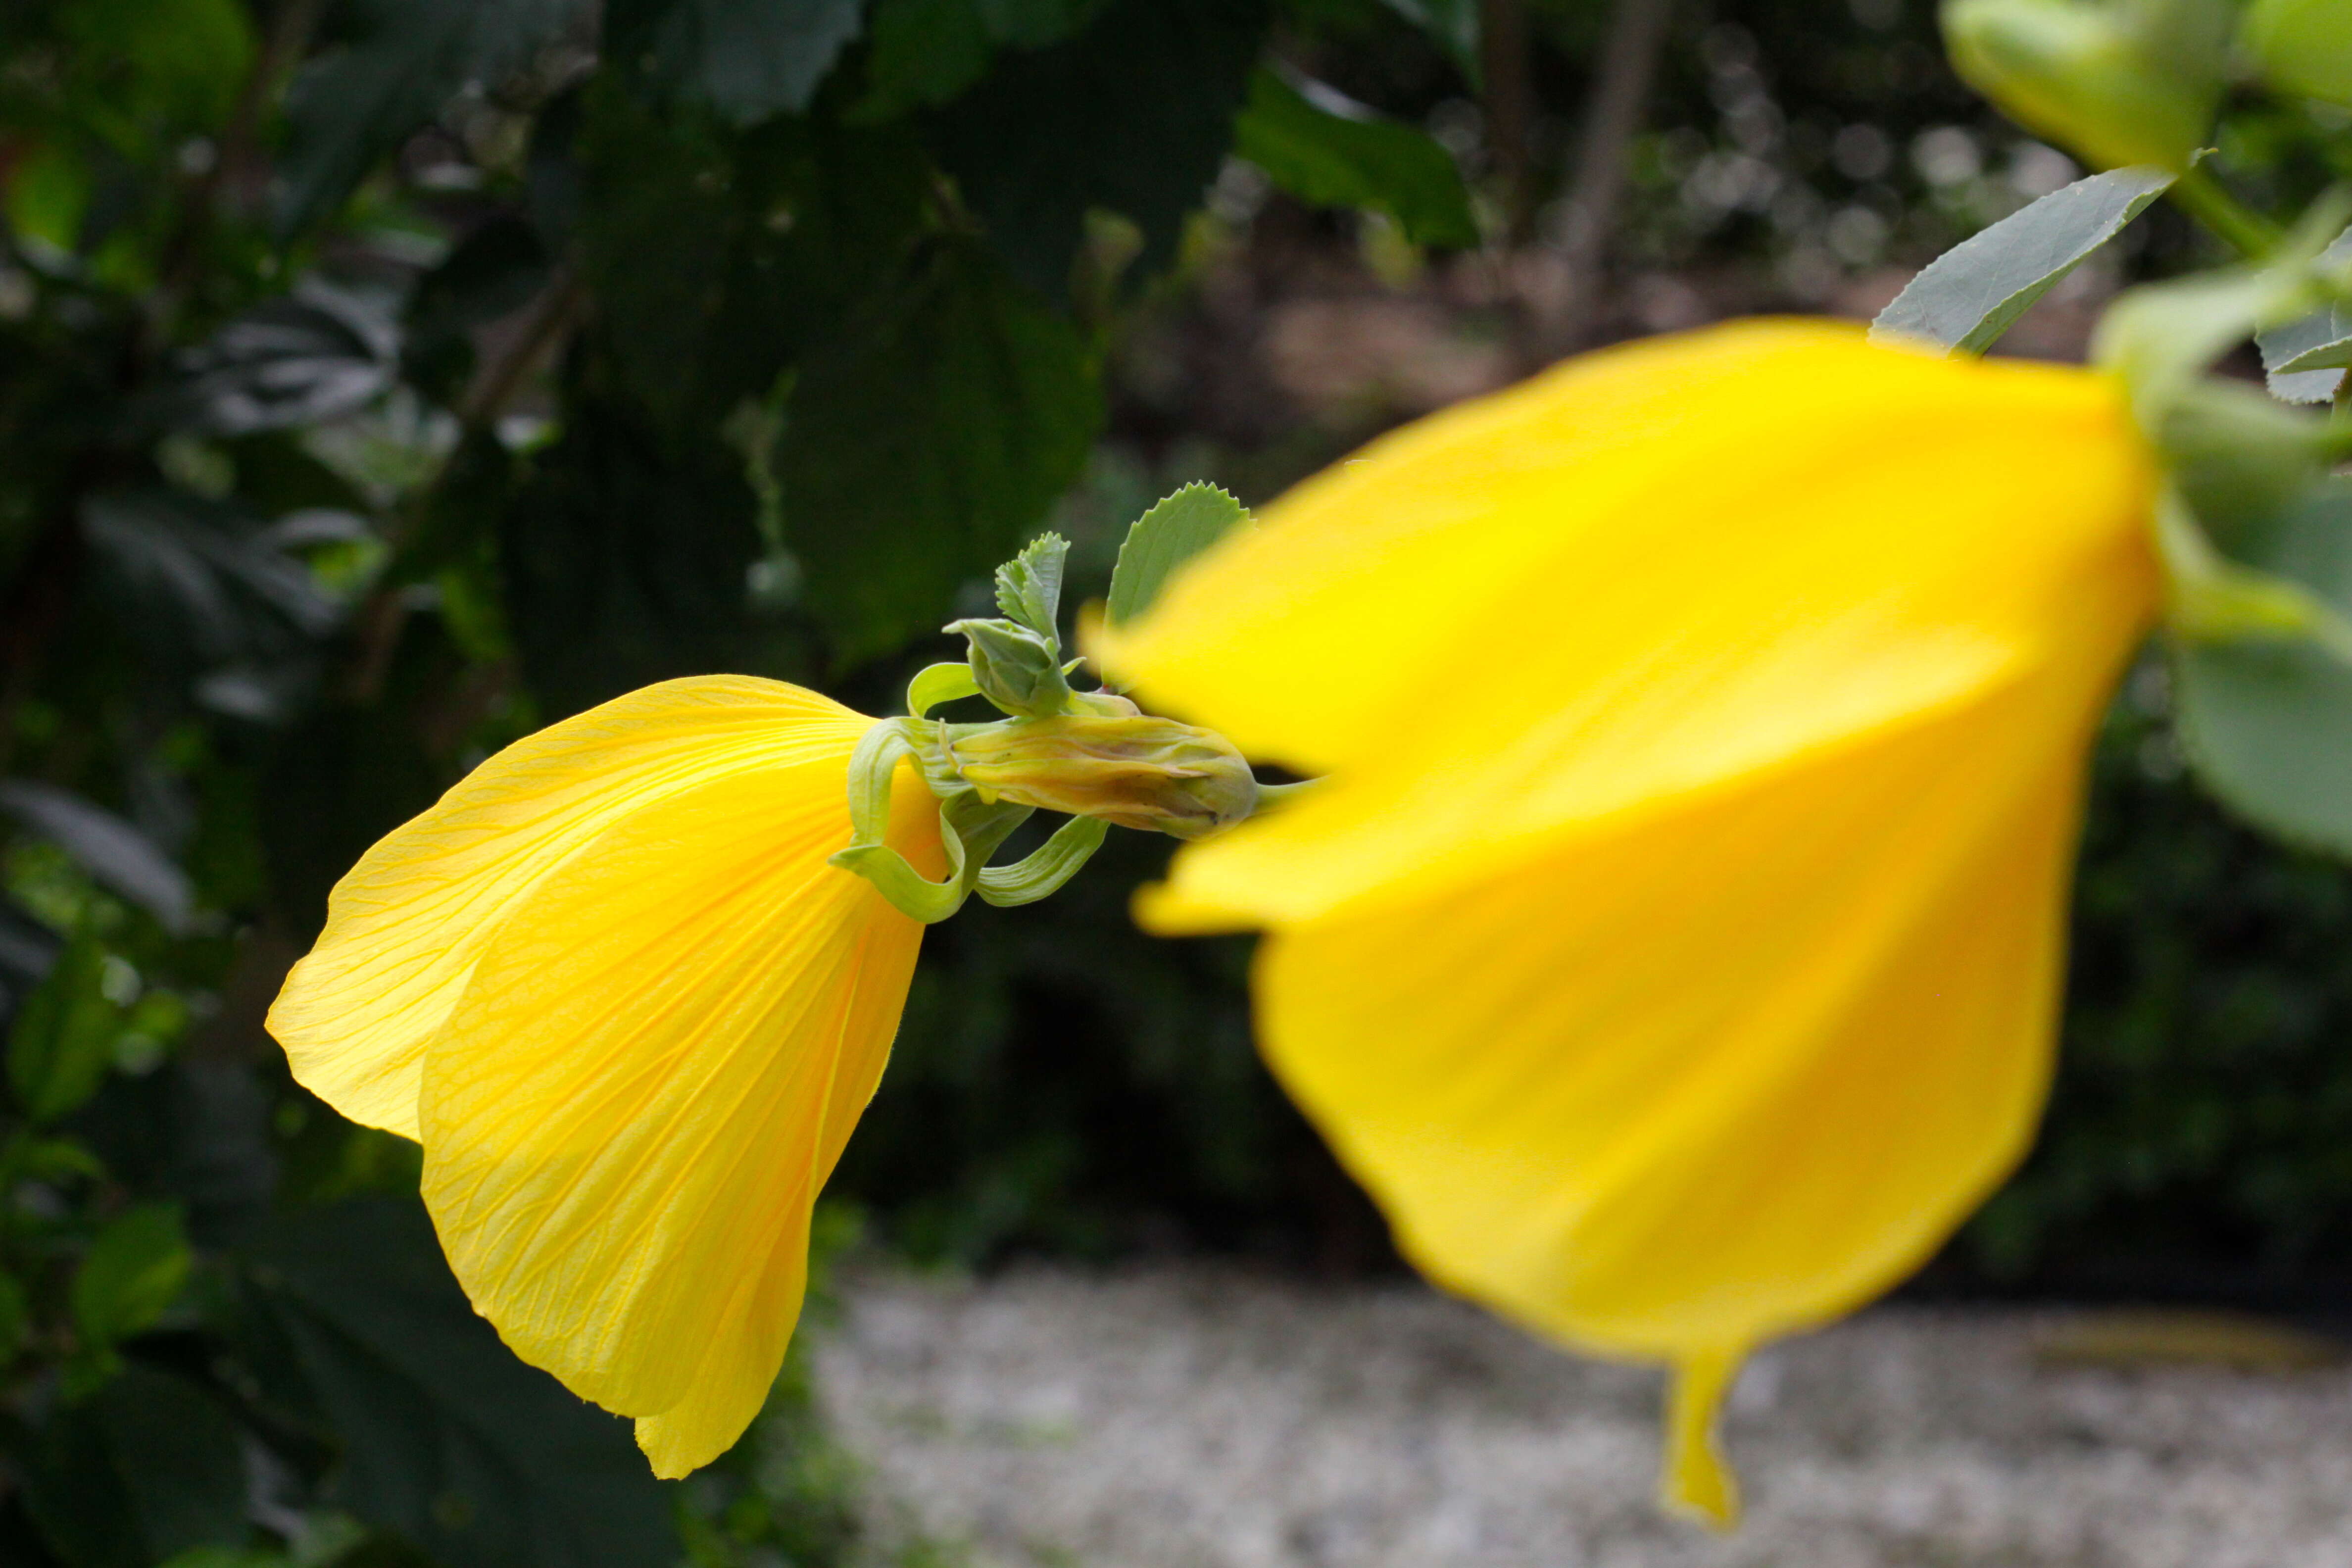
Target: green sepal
1029,586
1042,874
935,685
970,827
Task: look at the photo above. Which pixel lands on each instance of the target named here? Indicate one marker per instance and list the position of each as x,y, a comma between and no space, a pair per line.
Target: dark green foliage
446,1438
920,446
2200,1141
1134,114
146,1469
746,59
390,67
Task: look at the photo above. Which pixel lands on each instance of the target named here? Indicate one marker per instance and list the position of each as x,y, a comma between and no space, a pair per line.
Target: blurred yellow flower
611,984
1672,947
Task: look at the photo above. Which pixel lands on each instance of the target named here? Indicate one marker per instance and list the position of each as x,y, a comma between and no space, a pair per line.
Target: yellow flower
611,984
1672,947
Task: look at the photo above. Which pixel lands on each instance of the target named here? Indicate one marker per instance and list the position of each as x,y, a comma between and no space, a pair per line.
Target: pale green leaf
1968,296
1163,538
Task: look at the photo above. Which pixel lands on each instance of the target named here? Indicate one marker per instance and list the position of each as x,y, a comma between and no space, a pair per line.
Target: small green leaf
1968,296
2267,723
1163,538
1328,151
1029,586
63,1039
2304,360
132,1272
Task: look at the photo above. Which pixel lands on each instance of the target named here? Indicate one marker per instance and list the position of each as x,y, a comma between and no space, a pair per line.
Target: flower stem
2207,200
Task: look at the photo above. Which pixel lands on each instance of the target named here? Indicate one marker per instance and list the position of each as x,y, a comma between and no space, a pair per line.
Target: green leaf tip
1029,586
1163,538
1967,297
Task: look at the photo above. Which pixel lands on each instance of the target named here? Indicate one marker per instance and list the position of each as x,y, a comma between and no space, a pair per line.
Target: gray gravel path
1199,1417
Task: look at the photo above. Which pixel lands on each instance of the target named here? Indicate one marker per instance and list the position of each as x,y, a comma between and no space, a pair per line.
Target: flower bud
1014,667
1134,771
2121,83
2303,46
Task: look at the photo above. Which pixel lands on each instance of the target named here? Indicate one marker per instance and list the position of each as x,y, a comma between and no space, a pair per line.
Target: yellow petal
1723,1074
1653,570
660,1054
1696,1479
406,925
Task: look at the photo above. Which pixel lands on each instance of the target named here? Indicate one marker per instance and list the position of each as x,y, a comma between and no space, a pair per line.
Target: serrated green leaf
1163,538
2304,360
401,62
1334,153
149,1466
1029,586
444,1437
749,61
1968,296
133,1271
62,1042
927,441
2267,723
1135,114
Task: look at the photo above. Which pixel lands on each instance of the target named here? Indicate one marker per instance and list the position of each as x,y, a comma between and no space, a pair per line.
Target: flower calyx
1093,755
1132,770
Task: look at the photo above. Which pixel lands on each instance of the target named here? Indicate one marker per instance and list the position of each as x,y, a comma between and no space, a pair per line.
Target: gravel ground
1189,1416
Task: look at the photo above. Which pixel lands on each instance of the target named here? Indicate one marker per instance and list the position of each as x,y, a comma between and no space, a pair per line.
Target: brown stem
1508,102
494,389
1629,59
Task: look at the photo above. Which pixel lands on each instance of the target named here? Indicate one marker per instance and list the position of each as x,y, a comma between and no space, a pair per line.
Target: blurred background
383,379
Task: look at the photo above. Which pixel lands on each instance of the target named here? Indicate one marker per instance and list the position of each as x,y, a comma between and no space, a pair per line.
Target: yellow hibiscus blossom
612,985
1674,944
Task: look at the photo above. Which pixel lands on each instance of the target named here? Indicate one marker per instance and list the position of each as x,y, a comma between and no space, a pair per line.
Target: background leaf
922,446
482,1461
1968,296
135,1270
111,849
400,62
1135,114
311,356
1333,152
2268,723
747,60
149,1466
63,1039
